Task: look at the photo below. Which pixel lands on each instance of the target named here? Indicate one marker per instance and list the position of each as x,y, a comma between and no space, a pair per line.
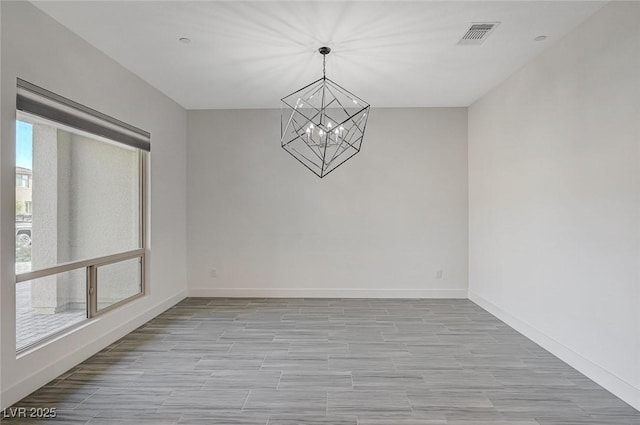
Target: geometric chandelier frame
322,125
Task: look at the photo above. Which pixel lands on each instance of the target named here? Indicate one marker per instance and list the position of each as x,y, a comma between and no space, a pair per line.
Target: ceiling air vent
478,32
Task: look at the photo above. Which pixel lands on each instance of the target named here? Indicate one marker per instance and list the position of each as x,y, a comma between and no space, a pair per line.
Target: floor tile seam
326,404
245,401
87,398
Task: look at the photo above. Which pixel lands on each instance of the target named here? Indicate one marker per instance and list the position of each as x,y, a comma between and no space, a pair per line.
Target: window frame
92,264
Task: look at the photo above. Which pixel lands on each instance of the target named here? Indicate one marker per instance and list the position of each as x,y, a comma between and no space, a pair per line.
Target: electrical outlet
213,273
439,274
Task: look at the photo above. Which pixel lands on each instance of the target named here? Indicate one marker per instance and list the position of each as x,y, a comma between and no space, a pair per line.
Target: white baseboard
326,293
596,373
42,376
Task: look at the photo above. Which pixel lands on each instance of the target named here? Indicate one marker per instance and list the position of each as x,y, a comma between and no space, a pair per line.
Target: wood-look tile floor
327,361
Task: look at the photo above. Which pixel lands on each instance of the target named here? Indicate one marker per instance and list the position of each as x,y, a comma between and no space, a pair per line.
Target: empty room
330,212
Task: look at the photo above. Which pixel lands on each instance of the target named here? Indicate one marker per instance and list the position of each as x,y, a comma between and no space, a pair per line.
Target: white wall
39,50
554,199
380,225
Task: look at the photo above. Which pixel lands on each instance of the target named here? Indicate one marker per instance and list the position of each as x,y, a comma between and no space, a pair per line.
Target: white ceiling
250,54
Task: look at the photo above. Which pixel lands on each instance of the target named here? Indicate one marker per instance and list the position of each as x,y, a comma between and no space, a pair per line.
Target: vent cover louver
478,32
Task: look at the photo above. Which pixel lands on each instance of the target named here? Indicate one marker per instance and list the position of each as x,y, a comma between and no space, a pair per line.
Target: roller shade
43,103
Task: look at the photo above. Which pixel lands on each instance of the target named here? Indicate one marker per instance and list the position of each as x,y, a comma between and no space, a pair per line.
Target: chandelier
322,124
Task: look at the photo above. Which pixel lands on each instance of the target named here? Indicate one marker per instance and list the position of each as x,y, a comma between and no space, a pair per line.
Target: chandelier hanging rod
324,51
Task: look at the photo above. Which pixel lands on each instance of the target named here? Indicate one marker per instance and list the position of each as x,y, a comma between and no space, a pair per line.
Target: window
79,214
22,180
